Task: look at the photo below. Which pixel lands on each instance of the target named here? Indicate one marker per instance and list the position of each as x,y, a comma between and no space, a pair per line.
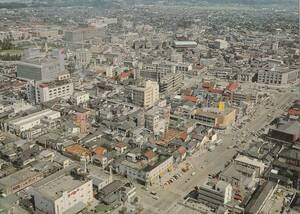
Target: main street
207,163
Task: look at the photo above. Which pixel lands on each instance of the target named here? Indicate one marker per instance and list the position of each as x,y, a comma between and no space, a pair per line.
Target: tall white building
47,91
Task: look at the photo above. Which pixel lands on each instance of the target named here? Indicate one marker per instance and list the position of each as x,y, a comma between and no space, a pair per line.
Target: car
144,188
116,205
153,193
155,197
193,173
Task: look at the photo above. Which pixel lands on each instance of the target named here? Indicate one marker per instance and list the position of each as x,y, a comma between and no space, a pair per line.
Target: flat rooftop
291,127
212,112
32,117
56,184
54,84
37,62
55,188
183,43
18,177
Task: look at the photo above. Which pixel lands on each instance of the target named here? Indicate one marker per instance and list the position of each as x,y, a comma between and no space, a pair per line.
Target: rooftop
290,153
179,43
212,112
18,177
55,188
291,127
54,84
259,196
77,149
25,119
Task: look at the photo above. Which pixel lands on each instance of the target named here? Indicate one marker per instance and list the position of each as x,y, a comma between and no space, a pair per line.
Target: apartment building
45,92
169,76
277,76
146,95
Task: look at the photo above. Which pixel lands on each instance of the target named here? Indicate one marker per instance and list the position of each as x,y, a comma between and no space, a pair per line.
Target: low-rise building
215,196
251,163
215,118
277,76
146,173
28,122
184,44
239,97
239,176
285,132
19,180
62,193
99,177
263,193
117,191
80,97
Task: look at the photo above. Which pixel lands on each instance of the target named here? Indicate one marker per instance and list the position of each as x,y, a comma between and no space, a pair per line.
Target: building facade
42,69
61,194
213,118
277,76
31,120
45,92
145,96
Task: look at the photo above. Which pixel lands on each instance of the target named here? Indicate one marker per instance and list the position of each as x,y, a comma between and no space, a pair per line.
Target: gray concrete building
277,76
42,69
